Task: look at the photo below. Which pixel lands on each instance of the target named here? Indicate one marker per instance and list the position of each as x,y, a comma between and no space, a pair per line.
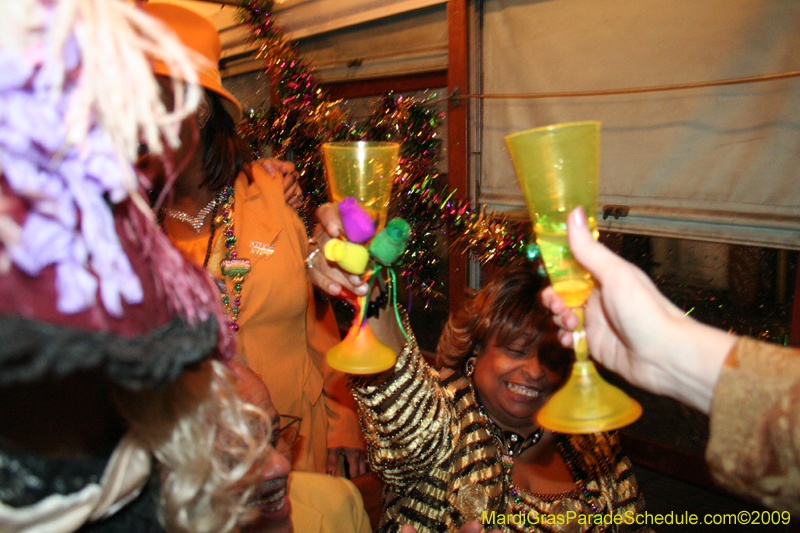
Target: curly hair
209,444
507,308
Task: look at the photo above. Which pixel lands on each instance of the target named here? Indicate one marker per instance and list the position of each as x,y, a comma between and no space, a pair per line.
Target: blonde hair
209,444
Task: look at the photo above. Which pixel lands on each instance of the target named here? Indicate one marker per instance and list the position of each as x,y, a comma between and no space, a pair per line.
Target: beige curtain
302,18
407,43
347,39
719,164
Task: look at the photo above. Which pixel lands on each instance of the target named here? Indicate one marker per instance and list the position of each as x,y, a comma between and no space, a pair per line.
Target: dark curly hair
507,308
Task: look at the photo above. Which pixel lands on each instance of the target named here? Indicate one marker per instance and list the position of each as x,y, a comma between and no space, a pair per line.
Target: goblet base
361,353
587,403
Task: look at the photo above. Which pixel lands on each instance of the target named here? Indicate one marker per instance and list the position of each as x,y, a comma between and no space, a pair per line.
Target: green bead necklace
232,266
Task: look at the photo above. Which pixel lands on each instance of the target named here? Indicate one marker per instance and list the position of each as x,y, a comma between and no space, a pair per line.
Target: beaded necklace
572,466
511,449
570,458
511,444
232,266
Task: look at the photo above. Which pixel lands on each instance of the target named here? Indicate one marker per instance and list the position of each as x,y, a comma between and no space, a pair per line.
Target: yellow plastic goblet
364,171
558,168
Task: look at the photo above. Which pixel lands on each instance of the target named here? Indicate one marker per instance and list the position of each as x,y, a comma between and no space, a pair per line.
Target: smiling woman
461,444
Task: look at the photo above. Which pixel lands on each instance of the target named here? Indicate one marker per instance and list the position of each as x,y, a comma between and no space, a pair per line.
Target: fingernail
579,217
361,289
333,230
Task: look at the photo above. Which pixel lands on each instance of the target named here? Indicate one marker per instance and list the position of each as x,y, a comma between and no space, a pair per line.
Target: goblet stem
580,346
361,317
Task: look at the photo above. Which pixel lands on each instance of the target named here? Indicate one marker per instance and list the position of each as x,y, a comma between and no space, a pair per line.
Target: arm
754,443
344,433
750,388
627,499
406,416
409,420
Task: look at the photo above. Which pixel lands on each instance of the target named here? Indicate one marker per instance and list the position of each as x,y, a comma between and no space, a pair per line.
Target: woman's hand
635,330
324,274
292,192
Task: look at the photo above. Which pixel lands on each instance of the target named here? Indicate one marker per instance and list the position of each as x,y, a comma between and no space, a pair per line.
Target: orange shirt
279,335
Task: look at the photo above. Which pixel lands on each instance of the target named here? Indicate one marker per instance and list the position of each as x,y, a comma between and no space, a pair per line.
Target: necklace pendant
472,501
235,267
197,223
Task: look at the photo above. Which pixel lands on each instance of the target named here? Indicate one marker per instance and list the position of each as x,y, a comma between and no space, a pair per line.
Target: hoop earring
469,366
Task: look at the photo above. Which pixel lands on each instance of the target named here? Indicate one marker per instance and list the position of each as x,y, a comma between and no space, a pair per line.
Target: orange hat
199,34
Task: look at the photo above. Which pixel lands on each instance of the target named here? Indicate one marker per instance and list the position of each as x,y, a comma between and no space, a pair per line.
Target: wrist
695,366
314,250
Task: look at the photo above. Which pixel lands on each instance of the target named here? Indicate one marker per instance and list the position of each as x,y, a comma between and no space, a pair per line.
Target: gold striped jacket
430,442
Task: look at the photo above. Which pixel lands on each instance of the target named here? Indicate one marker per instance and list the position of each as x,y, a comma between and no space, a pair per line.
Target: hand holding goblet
360,175
558,169
637,332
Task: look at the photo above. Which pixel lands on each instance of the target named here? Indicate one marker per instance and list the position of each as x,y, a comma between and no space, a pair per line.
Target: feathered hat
87,279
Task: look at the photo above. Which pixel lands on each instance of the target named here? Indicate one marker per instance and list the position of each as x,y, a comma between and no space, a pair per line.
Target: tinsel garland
303,118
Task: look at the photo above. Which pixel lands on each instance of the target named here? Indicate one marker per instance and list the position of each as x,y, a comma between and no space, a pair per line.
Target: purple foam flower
73,284
358,225
13,72
70,189
35,117
44,241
